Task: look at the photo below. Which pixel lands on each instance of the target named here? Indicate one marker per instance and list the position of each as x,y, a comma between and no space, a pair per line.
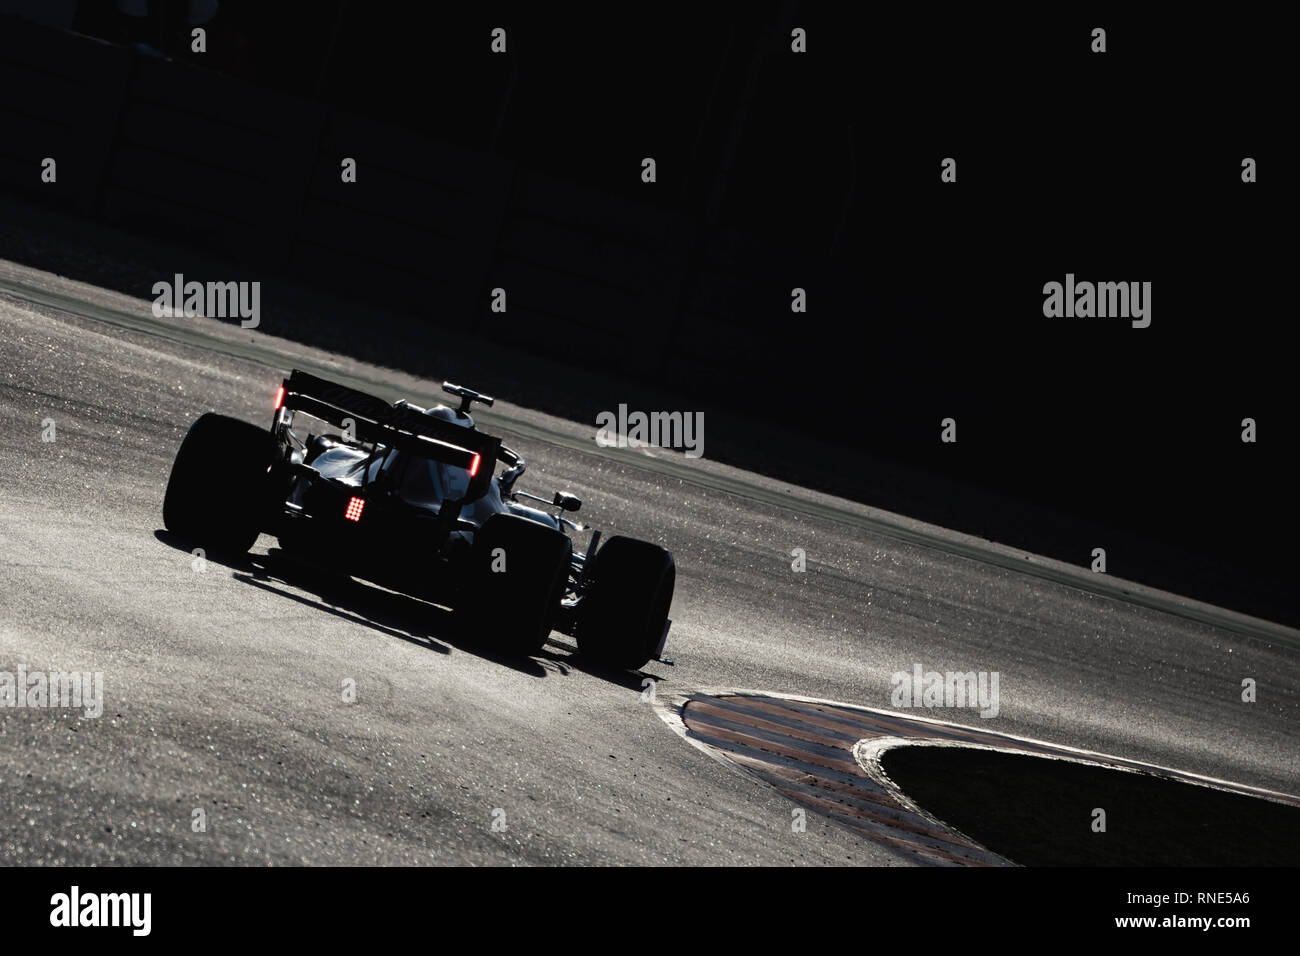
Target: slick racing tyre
515,581
217,495
624,608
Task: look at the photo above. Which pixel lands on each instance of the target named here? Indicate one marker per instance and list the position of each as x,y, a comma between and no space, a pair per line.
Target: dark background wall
775,170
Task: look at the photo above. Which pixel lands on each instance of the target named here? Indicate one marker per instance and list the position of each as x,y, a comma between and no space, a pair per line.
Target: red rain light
279,398
353,512
473,466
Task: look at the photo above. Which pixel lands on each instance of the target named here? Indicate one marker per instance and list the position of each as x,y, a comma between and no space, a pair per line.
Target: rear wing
376,421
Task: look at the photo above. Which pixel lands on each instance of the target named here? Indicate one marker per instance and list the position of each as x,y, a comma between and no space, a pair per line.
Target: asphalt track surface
223,690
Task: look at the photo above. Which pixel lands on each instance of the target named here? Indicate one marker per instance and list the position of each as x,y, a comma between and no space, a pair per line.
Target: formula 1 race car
407,498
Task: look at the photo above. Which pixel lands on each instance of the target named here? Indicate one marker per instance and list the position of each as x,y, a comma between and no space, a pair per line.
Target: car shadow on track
570,659
398,615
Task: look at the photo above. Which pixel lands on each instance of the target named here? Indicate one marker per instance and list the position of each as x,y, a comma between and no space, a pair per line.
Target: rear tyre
218,492
514,583
624,608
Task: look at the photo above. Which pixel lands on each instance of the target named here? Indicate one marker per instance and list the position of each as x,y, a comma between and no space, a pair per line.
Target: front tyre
624,609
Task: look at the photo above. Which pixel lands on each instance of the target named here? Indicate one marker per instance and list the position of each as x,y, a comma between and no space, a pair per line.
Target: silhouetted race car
407,498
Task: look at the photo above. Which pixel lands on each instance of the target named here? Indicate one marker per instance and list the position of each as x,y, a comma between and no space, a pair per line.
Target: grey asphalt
224,688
